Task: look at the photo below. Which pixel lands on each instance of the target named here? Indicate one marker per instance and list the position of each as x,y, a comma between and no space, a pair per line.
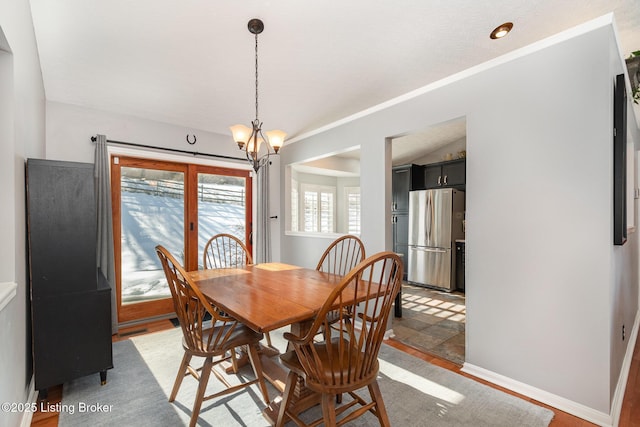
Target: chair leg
328,409
254,357
289,388
202,387
181,373
376,396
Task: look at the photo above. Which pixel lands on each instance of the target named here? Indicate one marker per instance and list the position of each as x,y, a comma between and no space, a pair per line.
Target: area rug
415,392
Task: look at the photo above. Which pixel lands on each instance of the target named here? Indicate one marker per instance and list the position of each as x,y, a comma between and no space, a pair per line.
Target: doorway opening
430,238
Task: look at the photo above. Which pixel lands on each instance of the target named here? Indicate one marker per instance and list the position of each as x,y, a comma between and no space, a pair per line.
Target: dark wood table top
267,296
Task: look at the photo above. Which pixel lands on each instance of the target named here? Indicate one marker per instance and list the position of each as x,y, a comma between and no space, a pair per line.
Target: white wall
70,128
21,136
539,258
540,262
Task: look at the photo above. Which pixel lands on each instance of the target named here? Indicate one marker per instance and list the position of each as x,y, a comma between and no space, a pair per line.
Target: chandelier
250,139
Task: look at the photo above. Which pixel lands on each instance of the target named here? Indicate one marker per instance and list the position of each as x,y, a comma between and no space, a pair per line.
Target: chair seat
241,335
331,373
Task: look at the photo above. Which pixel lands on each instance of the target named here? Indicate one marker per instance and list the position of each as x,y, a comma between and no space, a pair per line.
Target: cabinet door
400,184
453,173
433,176
401,237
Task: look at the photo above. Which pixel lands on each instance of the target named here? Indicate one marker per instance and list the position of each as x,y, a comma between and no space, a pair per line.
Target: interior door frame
164,307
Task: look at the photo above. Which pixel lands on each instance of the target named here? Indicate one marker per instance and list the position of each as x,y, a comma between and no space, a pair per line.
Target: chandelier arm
257,162
252,154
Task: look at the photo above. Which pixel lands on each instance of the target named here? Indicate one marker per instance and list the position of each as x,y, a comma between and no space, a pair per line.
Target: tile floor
432,321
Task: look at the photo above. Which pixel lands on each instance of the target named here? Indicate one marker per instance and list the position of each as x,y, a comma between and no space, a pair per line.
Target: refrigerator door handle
428,217
438,250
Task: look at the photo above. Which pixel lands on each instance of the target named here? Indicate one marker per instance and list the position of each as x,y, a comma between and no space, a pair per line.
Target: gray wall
22,118
547,292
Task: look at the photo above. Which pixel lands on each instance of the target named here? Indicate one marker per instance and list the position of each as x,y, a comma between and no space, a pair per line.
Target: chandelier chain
256,77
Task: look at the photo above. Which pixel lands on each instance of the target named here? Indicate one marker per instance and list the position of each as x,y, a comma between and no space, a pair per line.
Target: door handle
440,180
436,250
445,180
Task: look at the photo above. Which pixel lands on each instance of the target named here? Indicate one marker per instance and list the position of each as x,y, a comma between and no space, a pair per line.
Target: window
352,204
318,208
323,195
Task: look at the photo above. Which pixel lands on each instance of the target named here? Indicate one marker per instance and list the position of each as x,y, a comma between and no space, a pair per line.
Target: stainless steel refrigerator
435,223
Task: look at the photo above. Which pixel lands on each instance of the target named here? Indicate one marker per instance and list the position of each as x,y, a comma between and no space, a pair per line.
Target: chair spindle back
342,255
224,251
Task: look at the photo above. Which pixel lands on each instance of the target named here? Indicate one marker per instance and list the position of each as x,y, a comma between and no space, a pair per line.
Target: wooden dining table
266,297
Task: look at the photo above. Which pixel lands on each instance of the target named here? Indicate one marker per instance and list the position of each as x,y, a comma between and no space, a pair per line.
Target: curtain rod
195,153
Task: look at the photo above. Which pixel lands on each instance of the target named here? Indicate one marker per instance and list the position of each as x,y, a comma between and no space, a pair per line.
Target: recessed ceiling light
501,30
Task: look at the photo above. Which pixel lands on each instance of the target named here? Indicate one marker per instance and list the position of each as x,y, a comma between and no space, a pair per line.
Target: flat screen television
619,161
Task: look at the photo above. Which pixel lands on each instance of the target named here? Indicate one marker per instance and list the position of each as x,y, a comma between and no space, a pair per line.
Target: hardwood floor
630,415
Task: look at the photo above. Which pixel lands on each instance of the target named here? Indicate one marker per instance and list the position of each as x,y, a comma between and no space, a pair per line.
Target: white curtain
105,257
263,240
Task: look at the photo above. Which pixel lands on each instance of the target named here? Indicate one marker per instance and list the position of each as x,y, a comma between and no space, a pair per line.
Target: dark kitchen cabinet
70,300
446,174
404,179
401,234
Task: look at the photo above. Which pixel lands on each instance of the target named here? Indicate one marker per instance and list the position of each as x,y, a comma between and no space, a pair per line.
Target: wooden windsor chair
210,341
348,359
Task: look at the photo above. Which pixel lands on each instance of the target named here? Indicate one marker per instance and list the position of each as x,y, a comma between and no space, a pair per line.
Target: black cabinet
446,174
404,179
70,300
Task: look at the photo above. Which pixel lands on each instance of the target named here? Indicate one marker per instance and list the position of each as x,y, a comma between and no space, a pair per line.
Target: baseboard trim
566,405
136,322
27,416
621,387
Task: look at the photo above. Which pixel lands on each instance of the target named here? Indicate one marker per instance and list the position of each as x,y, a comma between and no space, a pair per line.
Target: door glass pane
221,208
152,210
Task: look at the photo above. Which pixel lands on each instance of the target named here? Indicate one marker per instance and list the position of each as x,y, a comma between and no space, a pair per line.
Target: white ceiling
190,62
